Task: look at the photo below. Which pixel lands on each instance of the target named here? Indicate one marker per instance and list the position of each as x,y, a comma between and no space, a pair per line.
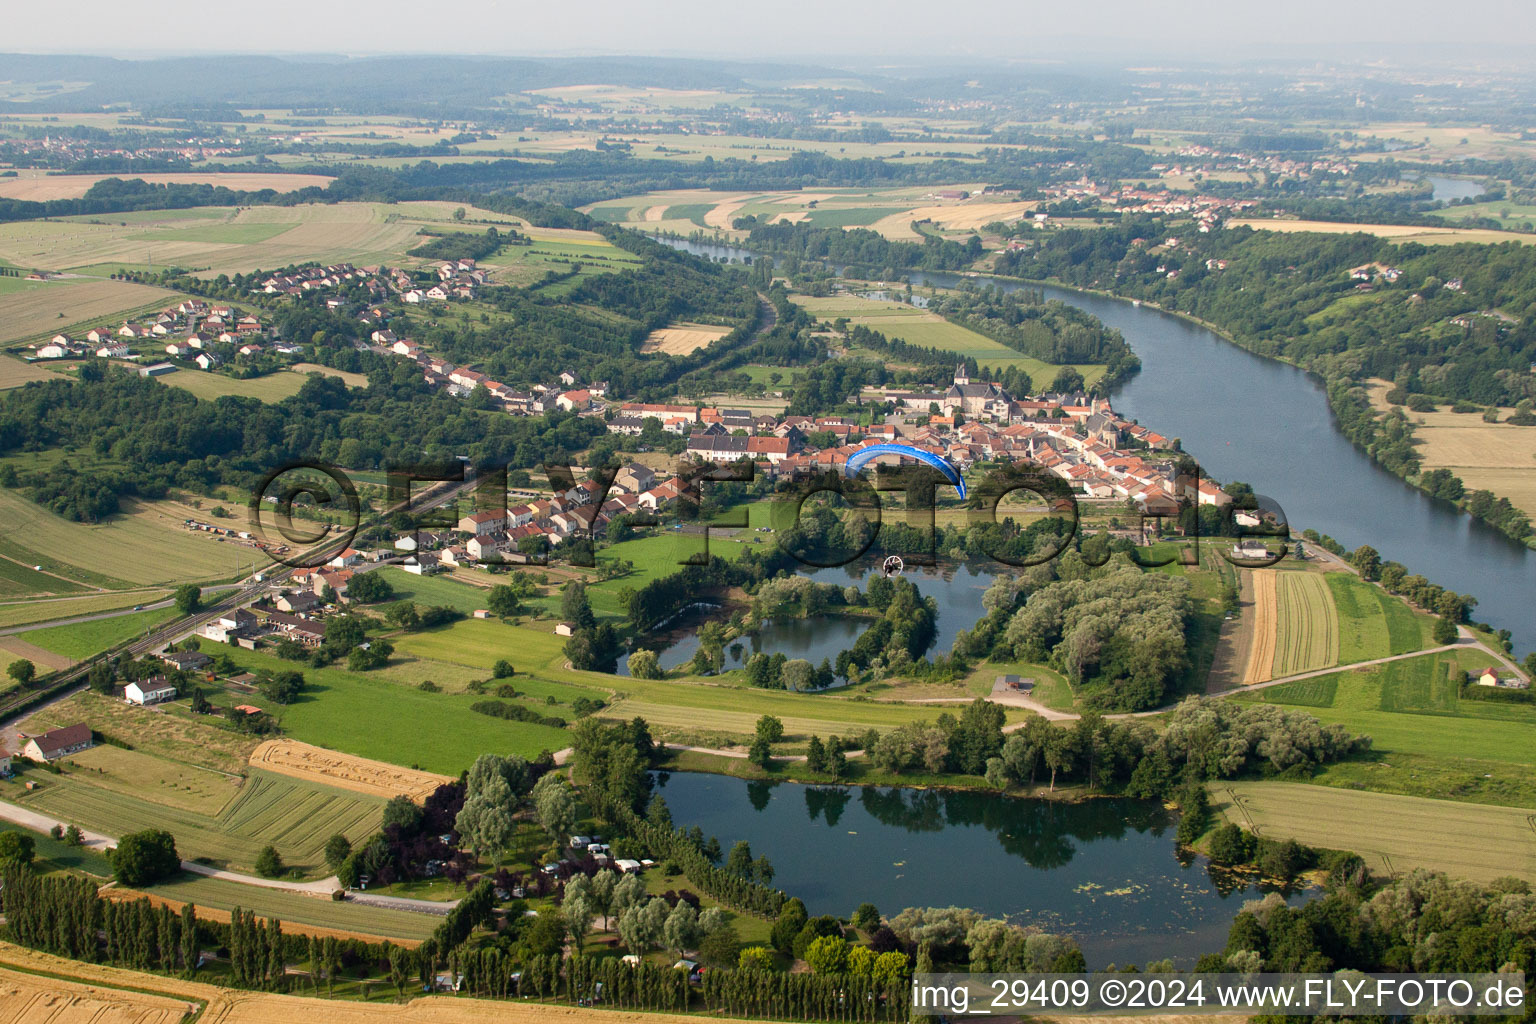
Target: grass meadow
1426,739
373,716
146,545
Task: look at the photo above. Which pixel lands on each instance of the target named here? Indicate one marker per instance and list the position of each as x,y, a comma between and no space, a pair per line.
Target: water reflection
1105,871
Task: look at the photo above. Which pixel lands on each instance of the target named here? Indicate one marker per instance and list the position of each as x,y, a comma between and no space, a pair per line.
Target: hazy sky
824,29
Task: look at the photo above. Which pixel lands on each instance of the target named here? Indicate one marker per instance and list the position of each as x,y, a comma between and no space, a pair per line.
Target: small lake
1104,871
1446,189
958,589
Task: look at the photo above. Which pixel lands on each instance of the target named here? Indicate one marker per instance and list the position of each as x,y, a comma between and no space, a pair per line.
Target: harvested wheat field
1266,606
41,188
683,339
1396,232
274,1009
344,771
42,311
14,373
51,1001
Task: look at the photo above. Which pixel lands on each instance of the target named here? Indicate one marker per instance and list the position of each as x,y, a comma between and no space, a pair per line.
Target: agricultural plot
1393,833
344,771
294,816
157,780
376,718
39,313
1306,634
682,339
166,730
887,211
1261,650
1399,233
144,546
16,647
17,579
1498,457
1412,706
80,640
14,372
39,188
300,913
215,239
54,1001
21,613
1371,622
559,250
273,387
919,327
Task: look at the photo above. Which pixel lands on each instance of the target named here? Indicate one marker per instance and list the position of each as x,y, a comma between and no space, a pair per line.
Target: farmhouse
57,743
149,691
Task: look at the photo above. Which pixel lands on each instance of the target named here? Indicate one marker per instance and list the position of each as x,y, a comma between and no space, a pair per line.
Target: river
1104,871
1268,424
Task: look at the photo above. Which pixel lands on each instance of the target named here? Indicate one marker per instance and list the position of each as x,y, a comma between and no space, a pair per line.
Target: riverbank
1414,480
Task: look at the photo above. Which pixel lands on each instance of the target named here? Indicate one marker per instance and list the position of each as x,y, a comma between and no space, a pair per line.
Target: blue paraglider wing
938,462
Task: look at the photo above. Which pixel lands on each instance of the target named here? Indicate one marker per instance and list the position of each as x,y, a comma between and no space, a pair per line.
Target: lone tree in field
574,606
142,858
336,850
188,598
504,602
23,671
269,863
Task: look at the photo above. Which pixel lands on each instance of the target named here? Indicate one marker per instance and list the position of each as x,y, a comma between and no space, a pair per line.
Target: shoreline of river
1412,480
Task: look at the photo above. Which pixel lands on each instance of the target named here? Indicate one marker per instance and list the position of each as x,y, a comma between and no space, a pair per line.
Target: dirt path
1266,611
1234,643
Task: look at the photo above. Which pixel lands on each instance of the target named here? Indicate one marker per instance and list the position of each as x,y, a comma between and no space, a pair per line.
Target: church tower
961,376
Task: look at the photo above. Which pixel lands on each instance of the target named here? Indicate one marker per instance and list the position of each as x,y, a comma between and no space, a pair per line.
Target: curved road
321,888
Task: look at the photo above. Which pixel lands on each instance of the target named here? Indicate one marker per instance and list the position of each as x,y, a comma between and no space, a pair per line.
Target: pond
1104,871
958,589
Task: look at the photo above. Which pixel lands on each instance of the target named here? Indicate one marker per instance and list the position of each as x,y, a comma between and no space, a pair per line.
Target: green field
144,545
296,907
274,387
1395,834
848,216
918,327
1307,634
295,816
1426,740
21,613
82,639
1371,622
17,579
56,855
433,590
372,716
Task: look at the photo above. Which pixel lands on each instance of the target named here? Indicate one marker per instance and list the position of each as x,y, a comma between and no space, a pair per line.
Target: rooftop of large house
57,741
